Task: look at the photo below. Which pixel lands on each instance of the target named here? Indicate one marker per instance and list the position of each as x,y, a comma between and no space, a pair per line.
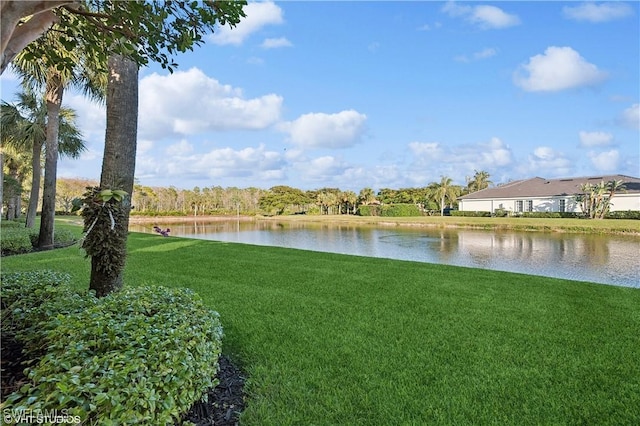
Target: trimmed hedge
140,356
469,214
556,215
390,210
16,239
628,214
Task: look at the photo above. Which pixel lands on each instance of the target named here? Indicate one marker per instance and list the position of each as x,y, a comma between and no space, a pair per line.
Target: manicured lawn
331,339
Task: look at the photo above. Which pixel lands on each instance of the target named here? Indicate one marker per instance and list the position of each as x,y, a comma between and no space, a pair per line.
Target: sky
387,95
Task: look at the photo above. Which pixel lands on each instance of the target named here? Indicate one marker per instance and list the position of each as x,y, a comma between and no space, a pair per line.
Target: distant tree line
278,200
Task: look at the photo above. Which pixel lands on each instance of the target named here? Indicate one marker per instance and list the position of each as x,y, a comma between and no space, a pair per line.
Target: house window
529,205
563,206
519,206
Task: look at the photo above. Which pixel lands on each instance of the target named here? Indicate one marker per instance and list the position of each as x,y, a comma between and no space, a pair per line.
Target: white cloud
545,161
320,130
593,12
429,150
181,162
323,169
274,43
631,117
181,148
259,15
459,160
484,16
607,161
559,68
589,139
477,56
189,102
429,27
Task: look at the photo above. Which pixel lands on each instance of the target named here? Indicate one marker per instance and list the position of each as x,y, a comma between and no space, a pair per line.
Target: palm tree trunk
119,162
36,164
54,93
14,195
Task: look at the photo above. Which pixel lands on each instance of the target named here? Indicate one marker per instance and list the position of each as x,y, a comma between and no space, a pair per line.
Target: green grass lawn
330,339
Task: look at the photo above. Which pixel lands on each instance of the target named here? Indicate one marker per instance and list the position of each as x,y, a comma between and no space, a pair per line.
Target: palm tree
88,76
24,128
367,196
349,198
444,191
17,163
480,180
118,167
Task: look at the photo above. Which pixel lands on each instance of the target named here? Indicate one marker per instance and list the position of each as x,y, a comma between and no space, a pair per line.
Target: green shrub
10,224
15,240
369,210
501,213
470,214
390,210
400,210
63,237
629,214
32,302
551,215
140,356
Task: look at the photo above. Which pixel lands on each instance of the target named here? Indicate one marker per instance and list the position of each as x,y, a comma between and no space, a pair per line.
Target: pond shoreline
604,226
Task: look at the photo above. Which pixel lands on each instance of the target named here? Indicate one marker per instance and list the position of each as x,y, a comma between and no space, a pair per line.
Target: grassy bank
332,339
604,226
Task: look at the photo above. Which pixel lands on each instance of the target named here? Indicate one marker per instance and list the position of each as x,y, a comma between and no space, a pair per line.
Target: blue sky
389,94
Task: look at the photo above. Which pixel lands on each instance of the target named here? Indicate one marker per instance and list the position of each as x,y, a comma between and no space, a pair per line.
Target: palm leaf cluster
595,200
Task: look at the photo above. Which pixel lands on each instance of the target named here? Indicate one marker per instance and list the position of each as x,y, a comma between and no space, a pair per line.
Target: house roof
541,187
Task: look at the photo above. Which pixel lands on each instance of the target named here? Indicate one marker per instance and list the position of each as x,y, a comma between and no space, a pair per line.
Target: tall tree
444,191
595,200
479,181
17,165
86,75
140,31
118,168
24,127
164,29
367,196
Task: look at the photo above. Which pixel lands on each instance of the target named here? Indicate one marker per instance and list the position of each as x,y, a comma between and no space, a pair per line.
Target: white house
548,195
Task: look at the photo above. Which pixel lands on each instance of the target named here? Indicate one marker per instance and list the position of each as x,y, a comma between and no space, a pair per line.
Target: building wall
620,202
624,202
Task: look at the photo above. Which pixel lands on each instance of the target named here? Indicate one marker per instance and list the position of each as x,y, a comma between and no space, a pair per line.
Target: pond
606,259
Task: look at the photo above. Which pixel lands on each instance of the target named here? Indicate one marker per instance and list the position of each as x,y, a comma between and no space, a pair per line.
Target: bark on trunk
118,164
34,197
14,195
53,95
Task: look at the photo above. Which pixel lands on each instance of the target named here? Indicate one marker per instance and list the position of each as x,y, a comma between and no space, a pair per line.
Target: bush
31,303
629,214
400,210
63,237
470,214
552,215
140,356
369,210
15,240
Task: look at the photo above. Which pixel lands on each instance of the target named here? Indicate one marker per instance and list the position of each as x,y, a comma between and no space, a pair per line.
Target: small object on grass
163,232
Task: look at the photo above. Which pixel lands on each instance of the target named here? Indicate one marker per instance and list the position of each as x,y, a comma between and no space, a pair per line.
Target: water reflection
609,259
